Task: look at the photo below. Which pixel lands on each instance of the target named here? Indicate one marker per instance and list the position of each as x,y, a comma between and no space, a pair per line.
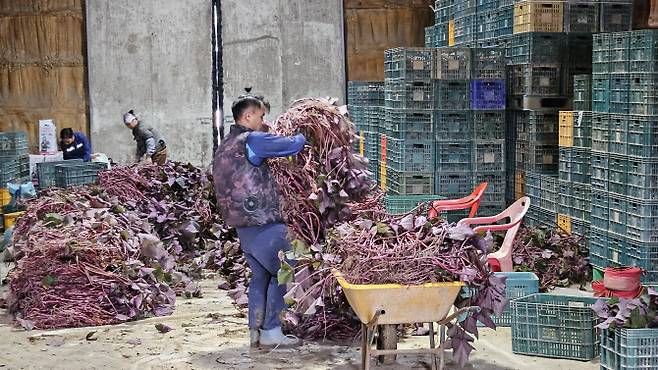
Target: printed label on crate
47,137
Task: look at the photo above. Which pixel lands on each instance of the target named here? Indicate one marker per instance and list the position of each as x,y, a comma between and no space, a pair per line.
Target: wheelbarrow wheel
387,339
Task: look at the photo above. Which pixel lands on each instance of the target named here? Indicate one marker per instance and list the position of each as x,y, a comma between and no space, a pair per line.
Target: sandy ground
209,333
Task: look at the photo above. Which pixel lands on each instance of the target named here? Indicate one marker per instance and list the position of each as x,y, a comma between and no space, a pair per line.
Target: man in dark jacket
74,145
151,147
248,200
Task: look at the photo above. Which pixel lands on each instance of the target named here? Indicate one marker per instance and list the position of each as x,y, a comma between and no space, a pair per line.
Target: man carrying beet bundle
248,200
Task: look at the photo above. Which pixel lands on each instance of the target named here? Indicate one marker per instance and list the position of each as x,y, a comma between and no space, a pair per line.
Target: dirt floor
209,333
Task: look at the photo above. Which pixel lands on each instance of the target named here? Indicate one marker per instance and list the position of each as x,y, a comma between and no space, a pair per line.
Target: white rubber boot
275,337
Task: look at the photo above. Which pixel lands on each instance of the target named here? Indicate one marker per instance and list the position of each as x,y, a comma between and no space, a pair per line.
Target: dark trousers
261,246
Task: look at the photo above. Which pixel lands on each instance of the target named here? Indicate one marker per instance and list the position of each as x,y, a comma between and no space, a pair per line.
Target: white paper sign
47,137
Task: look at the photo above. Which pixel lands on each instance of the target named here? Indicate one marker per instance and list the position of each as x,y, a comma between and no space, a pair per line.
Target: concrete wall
284,49
154,57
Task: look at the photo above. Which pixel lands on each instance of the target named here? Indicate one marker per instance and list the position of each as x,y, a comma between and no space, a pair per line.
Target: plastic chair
471,201
501,261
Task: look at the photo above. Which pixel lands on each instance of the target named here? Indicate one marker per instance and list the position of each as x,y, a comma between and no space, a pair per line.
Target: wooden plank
371,27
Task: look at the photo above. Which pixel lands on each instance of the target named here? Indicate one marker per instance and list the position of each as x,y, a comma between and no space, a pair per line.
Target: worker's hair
265,102
66,133
243,103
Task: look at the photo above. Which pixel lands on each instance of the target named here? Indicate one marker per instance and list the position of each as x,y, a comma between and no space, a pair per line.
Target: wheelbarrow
387,304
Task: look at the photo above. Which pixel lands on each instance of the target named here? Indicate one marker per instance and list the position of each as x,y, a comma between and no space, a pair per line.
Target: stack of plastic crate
462,30
488,100
574,186
407,149
624,164
443,20
535,89
14,164
14,157
495,19
365,101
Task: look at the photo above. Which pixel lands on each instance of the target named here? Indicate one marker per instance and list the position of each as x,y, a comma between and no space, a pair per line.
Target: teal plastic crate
453,64
46,172
454,156
629,349
402,93
79,174
550,325
489,124
409,183
10,169
518,284
397,204
453,124
410,155
644,51
452,94
13,143
409,124
410,64
489,155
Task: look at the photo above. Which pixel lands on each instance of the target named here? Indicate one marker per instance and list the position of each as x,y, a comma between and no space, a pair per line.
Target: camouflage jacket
246,194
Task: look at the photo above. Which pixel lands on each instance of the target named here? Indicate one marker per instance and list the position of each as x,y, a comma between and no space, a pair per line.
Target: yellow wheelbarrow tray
392,304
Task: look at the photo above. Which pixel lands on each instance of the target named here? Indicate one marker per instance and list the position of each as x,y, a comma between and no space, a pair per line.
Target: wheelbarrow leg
432,345
442,333
365,355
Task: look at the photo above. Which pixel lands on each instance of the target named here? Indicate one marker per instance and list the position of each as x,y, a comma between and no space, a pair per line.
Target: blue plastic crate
410,155
489,155
642,178
452,94
465,27
582,91
453,124
453,64
643,53
550,325
489,124
533,187
538,216
582,129
618,214
643,255
629,349
618,128
488,94
600,132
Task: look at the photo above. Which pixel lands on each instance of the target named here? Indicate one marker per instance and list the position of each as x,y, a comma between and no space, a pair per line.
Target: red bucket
623,279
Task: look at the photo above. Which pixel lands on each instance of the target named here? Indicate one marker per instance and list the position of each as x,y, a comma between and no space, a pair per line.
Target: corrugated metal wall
372,26
42,65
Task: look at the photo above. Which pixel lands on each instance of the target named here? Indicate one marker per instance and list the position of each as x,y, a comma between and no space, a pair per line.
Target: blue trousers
261,246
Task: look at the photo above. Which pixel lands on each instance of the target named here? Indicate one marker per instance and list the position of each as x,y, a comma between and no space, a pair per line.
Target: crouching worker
151,146
248,200
74,145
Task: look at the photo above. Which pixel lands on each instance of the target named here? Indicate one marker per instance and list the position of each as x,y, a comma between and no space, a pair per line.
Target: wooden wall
42,65
372,26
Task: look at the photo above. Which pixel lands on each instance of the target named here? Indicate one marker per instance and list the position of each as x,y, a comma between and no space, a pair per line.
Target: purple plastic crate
488,94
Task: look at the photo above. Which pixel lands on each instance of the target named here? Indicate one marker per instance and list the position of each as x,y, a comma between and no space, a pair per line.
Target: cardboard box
47,137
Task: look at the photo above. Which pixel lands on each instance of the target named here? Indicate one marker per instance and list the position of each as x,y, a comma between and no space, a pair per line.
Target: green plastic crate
80,174
626,349
550,325
46,171
396,204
